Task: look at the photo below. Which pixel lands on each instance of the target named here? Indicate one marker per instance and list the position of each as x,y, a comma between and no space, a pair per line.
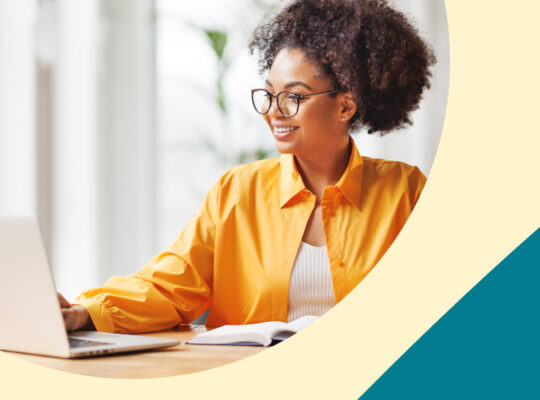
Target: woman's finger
63,302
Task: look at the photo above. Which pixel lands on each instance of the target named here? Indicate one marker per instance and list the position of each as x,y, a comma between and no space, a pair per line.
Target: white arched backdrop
418,144
110,130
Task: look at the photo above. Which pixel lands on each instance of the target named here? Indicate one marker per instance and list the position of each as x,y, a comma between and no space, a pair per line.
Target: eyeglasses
288,102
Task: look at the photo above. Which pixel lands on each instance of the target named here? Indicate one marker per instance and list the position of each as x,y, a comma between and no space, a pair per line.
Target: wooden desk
177,360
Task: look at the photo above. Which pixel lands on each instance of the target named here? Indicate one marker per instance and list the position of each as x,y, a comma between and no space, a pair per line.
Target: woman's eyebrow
291,84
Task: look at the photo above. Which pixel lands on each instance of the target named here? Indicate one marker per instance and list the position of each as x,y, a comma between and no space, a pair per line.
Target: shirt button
339,263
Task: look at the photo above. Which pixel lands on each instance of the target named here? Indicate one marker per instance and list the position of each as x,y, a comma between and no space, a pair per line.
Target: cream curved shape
480,202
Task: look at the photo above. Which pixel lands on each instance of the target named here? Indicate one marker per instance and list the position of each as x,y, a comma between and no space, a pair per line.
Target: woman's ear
348,106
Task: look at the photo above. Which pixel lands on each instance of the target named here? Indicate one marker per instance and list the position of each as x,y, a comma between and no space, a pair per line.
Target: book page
257,333
261,333
261,328
294,327
298,324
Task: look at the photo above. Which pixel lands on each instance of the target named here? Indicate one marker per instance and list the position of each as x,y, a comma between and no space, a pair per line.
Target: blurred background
116,117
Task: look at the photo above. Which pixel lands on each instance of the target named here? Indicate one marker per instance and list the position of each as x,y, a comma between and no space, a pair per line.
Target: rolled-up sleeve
174,287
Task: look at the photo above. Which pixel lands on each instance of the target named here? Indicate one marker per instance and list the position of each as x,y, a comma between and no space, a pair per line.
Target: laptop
30,317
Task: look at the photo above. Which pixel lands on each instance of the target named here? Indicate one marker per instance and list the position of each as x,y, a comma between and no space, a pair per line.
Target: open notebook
261,334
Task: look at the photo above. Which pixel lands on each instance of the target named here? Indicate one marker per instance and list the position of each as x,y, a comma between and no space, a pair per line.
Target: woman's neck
320,172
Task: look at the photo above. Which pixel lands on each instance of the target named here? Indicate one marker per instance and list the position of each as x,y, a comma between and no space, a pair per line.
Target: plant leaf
218,41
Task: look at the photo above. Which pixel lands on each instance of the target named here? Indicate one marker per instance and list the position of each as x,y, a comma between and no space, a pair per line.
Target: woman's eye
293,97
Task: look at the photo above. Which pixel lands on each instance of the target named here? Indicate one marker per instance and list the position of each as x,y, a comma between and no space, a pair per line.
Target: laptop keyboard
76,343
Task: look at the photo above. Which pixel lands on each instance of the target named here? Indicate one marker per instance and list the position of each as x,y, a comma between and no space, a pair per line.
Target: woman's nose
274,109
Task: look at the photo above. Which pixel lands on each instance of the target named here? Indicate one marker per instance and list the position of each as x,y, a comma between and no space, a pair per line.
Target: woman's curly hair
364,46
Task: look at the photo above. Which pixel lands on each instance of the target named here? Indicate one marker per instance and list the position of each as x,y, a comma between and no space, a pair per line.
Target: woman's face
318,127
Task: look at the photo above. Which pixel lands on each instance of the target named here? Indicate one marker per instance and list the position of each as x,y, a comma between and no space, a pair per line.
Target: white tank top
310,289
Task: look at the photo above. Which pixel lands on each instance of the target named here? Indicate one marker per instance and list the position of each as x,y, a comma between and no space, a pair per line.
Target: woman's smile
282,131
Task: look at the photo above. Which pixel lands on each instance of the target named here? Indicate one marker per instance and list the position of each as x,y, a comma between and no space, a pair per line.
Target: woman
281,238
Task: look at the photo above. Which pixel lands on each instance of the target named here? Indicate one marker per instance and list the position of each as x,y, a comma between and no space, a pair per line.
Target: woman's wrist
84,321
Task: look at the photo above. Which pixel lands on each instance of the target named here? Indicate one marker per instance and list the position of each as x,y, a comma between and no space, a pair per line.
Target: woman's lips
281,132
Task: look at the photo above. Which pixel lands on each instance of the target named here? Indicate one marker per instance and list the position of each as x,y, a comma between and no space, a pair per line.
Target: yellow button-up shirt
236,254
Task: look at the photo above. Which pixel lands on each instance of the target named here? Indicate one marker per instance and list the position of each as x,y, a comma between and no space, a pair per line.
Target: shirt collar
291,181
350,183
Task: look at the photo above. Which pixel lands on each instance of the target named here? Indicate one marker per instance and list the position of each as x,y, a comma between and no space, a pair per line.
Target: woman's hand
75,316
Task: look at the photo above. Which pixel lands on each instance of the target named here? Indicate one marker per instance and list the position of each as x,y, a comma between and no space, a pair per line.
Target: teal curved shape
485,347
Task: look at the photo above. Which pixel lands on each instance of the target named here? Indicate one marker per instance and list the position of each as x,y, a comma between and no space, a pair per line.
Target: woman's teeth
284,129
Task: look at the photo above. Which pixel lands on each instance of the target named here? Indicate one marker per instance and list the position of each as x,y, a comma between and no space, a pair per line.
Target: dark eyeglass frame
297,96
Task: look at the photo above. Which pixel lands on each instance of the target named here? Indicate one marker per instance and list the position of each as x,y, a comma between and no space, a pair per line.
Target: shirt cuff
99,313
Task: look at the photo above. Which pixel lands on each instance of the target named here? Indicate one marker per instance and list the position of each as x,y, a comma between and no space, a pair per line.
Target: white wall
17,106
77,128
103,171
126,136
74,145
